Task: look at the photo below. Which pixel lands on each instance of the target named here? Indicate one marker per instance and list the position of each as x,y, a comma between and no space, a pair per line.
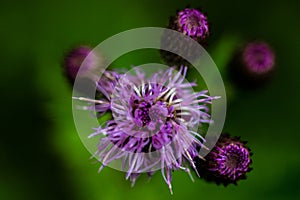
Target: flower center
141,114
237,158
150,114
194,21
259,56
232,161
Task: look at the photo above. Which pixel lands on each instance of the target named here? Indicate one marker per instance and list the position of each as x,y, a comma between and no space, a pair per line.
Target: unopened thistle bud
192,23
228,162
253,64
74,61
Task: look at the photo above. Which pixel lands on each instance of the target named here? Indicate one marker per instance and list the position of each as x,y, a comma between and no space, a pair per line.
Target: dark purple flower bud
228,162
190,22
74,61
253,64
258,57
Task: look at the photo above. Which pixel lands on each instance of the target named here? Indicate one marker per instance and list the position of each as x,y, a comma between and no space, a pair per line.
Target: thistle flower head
192,23
252,65
258,57
152,123
228,162
74,61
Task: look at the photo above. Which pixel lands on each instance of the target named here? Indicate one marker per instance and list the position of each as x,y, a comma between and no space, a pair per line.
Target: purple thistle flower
192,23
74,61
152,124
258,57
228,162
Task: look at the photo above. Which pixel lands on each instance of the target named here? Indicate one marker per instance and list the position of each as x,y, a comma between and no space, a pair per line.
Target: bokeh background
41,154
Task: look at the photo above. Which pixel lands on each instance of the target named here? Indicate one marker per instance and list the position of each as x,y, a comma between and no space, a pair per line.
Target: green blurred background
41,154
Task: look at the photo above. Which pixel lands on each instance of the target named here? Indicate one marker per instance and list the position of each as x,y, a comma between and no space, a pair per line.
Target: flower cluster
155,121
